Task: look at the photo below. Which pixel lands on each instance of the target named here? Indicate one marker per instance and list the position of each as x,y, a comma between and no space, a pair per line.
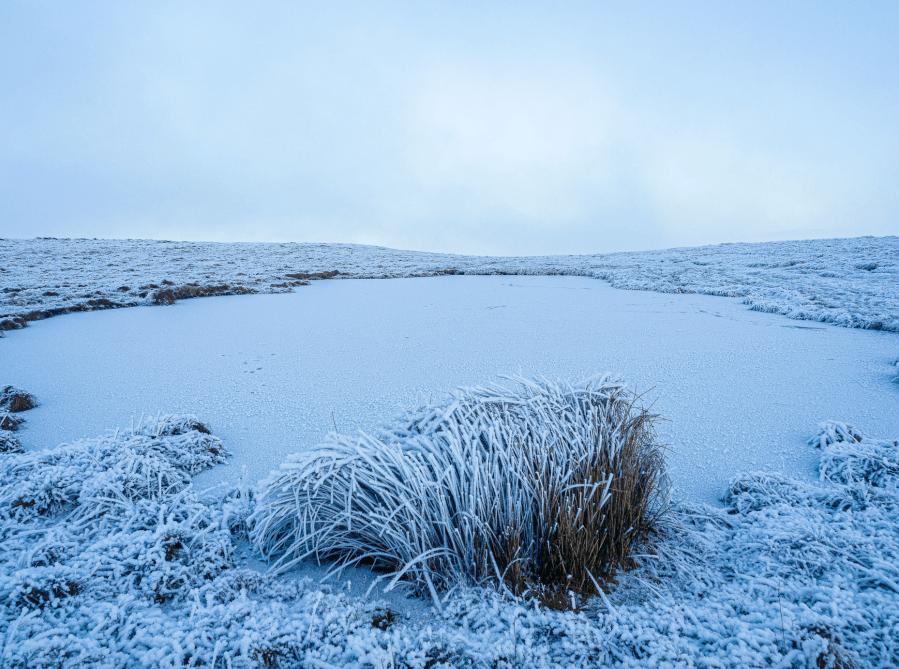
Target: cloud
446,127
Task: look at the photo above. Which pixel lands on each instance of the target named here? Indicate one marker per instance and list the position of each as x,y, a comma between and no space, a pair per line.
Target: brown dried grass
314,275
167,296
15,400
546,490
584,539
9,423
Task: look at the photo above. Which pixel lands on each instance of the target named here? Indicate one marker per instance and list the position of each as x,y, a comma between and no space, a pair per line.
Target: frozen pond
740,390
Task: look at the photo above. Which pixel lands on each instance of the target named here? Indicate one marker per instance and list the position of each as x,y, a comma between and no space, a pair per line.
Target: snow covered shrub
9,443
14,400
540,486
127,499
827,548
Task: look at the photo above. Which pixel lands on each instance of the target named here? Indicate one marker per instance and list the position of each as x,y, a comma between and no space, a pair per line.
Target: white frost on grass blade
92,477
790,573
8,441
536,485
849,282
111,515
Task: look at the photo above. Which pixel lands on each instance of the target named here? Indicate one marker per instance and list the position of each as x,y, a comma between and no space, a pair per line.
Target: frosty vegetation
543,488
13,402
109,558
849,282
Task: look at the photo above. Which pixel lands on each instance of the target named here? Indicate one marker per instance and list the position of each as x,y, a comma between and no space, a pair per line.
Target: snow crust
109,559
850,282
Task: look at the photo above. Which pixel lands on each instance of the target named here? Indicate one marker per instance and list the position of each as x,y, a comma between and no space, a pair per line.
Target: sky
518,128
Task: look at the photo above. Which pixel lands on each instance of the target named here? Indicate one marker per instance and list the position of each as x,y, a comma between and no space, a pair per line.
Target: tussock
846,461
305,276
15,400
10,423
540,487
167,296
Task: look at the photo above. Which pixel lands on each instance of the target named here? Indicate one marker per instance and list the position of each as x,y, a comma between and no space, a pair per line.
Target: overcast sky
473,127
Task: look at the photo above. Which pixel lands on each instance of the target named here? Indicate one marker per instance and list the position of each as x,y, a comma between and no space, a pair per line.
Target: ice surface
272,374
852,282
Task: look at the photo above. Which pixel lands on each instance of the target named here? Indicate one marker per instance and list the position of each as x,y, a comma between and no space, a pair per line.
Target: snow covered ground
796,569
107,559
272,374
850,282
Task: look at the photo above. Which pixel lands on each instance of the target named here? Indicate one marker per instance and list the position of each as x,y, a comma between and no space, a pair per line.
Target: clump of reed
541,488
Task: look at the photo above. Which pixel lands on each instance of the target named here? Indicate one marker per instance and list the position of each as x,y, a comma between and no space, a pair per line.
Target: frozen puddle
272,374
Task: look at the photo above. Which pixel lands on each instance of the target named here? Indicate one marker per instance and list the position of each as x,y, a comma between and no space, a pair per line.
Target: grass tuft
304,276
9,423
542,489
8,442
167,296
43,586
14,400
90,477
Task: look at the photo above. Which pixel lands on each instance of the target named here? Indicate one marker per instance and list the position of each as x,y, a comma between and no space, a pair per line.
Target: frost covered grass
9,423
13,401
849,282
165,296
8,441
543,487
110,559
90,478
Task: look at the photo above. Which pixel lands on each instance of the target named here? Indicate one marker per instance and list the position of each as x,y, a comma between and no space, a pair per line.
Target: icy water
272,374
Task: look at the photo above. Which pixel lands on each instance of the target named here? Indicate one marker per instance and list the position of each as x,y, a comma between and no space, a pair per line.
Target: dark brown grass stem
585,535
